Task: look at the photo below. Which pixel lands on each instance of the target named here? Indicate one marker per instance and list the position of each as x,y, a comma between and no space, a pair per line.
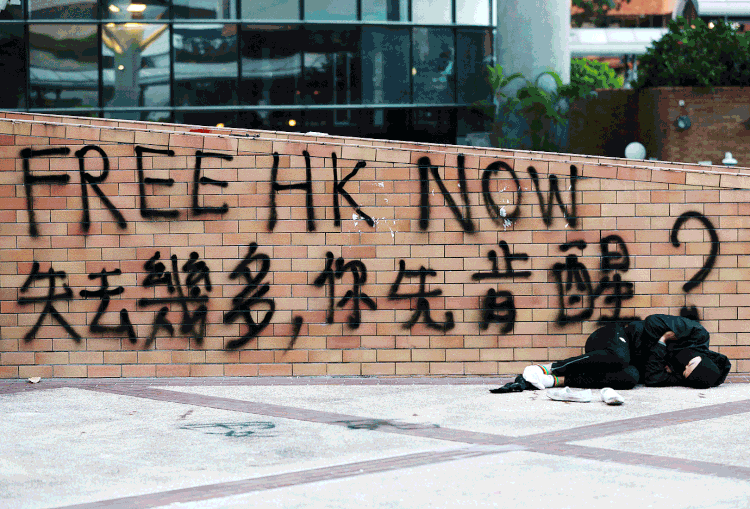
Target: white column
533,36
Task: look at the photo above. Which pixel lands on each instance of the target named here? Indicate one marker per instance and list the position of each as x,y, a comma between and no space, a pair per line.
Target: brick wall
253,253
719,123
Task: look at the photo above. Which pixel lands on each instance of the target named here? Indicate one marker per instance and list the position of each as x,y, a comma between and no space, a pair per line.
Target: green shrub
697,54
593,74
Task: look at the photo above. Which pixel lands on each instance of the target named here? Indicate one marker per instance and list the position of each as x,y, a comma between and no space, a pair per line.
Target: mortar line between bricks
288,479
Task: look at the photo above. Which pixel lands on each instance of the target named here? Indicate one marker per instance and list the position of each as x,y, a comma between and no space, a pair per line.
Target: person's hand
668,369
667,336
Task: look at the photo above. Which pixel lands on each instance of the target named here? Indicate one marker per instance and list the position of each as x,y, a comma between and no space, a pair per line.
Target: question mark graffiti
699,276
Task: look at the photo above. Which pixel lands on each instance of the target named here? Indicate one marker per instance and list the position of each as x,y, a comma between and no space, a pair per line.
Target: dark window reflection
434,125
330,10
135,10
144,116
207,9
385,65
385,10
205,65
11,10
63,67
207,118
136,66
271,72
270,10
434,65
66,9
332,71
474,55
12,66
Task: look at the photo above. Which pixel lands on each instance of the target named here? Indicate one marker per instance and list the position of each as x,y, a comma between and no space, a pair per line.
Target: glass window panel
331,66
63,66
12,9
206,9
127,10
474,55
270,9
62,9
434,66
385,10
436,12
135,60
144,116
473,12
328,10
434,125
12,66
271,71
385,65
205,65
207,118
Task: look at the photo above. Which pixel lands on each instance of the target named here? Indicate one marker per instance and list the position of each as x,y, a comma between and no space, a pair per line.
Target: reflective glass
434,65
271,71
145,116
330,10
270,9
11,9
436,12
385,65
474,55
127,10
473,12
207,118
12,66
434,125
205,9
332,72
61,9
135,60
63,66
205,65
385,10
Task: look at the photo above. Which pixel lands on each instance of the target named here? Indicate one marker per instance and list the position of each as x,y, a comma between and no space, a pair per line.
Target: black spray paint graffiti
355,295
577,293
576,290
190,297
426,168
104,293
699,276
374,424
495,310
234,429
423,305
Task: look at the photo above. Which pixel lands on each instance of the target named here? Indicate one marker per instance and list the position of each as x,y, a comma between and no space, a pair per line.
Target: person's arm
657,374
687,333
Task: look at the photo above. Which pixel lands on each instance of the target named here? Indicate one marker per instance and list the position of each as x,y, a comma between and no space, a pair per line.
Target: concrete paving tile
97,446
510,480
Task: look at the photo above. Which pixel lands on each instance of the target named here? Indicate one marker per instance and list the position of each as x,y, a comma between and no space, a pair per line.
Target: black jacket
652,357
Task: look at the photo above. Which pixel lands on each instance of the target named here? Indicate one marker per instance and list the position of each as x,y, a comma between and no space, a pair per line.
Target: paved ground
367,443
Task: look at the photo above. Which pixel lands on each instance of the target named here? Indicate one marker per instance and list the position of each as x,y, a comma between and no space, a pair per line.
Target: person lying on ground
660,350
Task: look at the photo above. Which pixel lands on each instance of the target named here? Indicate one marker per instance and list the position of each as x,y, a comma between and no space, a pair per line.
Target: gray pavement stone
388,443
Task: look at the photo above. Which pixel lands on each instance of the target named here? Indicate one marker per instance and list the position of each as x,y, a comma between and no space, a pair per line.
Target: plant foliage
697,54
594,74
594,11
540,109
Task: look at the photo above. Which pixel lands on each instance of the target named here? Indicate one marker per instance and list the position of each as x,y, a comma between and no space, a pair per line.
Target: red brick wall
719,123
615,241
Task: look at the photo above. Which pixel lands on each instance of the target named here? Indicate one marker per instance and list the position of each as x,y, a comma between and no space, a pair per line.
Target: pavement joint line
640,459
292,478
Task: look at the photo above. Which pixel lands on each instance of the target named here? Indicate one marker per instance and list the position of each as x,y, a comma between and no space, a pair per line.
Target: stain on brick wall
135,249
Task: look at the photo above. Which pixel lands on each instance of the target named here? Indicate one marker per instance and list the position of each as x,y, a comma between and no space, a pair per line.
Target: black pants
606,362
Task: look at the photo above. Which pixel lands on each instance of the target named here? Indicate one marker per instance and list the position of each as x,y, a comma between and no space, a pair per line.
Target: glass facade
401,69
